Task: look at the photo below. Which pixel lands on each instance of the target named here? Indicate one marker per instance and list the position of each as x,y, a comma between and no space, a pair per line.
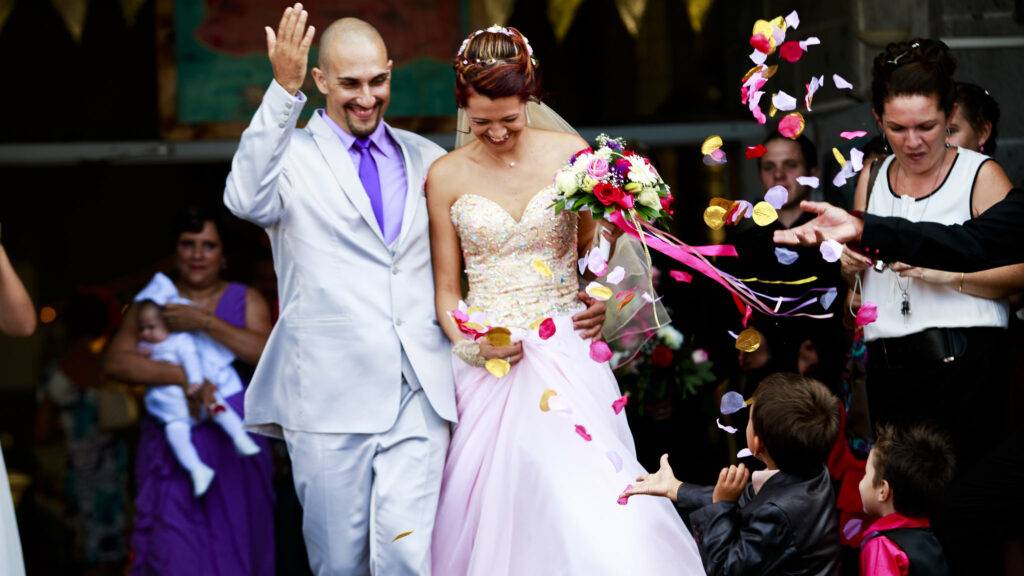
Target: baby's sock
179,437
228,420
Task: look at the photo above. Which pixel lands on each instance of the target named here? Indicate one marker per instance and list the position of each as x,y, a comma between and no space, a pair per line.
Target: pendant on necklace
905,306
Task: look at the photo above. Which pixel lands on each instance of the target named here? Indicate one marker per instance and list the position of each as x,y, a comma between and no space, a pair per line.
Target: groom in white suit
356,375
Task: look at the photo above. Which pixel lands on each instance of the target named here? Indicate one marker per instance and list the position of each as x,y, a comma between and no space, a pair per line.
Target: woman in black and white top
937,351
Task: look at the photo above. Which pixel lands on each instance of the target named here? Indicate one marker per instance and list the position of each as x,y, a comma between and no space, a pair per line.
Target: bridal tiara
495,29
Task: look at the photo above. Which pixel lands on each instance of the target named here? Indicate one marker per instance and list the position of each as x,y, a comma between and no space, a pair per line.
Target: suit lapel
338,161
413,170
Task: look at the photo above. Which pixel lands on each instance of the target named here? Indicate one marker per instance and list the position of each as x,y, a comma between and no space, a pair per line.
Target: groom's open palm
288,49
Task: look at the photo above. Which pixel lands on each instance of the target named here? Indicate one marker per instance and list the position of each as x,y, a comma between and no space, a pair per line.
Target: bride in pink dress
540,456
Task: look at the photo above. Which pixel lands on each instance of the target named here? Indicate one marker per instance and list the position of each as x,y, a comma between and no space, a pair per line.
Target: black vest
921,547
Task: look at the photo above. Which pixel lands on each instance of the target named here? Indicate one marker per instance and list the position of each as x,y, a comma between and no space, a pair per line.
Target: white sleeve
253,190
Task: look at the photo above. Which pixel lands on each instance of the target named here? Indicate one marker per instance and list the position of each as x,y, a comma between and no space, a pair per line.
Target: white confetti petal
616,275
793,20
812,41
857,159
841,83
745,453
811,181
729,429
777,196
831,250
783,101
758,57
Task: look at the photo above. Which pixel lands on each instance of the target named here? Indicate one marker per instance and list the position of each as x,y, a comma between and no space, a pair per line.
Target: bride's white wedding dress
539,457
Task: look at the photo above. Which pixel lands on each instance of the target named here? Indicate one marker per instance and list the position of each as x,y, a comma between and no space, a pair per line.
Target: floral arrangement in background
664,366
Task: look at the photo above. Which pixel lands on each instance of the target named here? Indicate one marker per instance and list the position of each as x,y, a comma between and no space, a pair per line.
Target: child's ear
884,492
756,446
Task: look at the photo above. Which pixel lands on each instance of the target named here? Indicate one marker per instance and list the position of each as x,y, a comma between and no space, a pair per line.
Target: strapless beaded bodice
506,260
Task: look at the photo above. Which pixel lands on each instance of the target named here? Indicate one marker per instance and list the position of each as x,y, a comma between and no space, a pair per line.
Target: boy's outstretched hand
731,482
661,483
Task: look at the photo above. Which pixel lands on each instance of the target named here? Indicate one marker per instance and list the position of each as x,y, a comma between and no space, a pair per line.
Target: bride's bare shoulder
446,173
562,143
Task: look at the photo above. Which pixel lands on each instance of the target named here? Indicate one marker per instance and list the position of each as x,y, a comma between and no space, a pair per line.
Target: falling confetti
812,87
402,535
852,528
680,276
756,151
852,134
792,125
749,340
785,256
841,83
828,298
545,399
793,20
732,402
582,431
764,214
498,367
711,143
831,250
811,181
620,403
777,196
729,429
866,314
791,51
744,453
714,217
784,102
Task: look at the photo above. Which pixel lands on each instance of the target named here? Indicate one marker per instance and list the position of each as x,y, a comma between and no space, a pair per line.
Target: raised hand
731,482
661,483
590,321
925,274
832,223
288,49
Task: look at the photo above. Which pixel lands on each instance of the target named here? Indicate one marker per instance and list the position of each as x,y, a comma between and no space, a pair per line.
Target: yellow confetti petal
474,326
536,323
498,367
499,336
772,110
839,156
711,143
749,340
764,214
779,22
544,399
714,217
402,535
598,291
541,268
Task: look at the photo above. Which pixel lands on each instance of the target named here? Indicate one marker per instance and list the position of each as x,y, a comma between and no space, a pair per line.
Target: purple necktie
370,178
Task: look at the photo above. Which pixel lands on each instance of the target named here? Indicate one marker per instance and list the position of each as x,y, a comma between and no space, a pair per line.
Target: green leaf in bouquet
559,206
578,202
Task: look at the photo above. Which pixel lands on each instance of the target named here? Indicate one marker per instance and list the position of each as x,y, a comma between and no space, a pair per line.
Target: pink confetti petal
756,151
546,329
792,125
680,276
852,134
620,403
729,429
791,51
582,431
776,196
760,43
867,314
599,351
759,115
831,250
616,275
623,500
841,83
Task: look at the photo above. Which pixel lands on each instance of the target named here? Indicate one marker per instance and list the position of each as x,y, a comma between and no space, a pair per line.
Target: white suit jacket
350,305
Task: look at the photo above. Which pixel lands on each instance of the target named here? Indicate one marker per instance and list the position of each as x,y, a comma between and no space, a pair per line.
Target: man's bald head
349,34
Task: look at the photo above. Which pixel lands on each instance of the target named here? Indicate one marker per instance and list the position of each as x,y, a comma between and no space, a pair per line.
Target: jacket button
394,270
398,321
281,125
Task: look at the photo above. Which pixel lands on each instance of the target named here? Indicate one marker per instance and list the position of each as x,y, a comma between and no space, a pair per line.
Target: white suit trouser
360,491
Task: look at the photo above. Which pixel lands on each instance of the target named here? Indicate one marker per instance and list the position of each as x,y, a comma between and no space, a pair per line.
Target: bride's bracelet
469,352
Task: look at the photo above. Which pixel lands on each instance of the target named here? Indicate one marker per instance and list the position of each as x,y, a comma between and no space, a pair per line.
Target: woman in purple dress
230,529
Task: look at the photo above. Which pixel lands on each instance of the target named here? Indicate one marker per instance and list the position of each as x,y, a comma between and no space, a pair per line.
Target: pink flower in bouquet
661,356
607,194
666,203
699,356
626,201
598,168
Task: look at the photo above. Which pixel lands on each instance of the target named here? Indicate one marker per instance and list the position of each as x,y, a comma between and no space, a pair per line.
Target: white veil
627,327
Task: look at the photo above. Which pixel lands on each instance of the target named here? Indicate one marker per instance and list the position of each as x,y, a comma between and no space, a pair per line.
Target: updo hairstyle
979,107
496,63
920,67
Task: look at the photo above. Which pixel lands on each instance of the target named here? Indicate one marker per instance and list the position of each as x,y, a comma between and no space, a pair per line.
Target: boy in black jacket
784,522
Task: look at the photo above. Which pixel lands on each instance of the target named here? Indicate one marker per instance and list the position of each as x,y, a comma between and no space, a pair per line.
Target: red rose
666,202
607,194
661,356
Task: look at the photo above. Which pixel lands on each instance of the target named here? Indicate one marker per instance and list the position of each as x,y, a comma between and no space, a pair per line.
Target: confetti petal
758,57
599,351
680,276
866,314
620,403
582,431
744,453
598,291
793,20
785,256
597,263
732,402
545,399
852,134
625,297
546,329
623,500
498,367
616,275
541,268
582,263
764,214
777,196
828,298
812,87
841,83
401,535
838,156
791,51
749,340
810,41
857,159
811,181
792,125
711,143
729,429
831,250
499,336
852,528
783,101
756,151
843,175
714,217
744,209
761,43
615,459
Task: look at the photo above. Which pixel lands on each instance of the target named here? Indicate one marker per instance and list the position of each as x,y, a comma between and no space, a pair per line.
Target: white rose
671,337
567,182
649,197
640,172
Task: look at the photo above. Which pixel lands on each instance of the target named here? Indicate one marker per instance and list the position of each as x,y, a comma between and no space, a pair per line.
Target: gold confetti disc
764,214
499,336
724,203
749,340
542,268
498,367
711,143
714,217
402,535
544,399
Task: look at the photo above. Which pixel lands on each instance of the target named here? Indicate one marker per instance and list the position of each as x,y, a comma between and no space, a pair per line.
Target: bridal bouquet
612,178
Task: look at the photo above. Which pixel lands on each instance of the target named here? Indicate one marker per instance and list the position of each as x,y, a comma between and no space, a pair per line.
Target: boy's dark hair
807,148
797,419
979,108
918,464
